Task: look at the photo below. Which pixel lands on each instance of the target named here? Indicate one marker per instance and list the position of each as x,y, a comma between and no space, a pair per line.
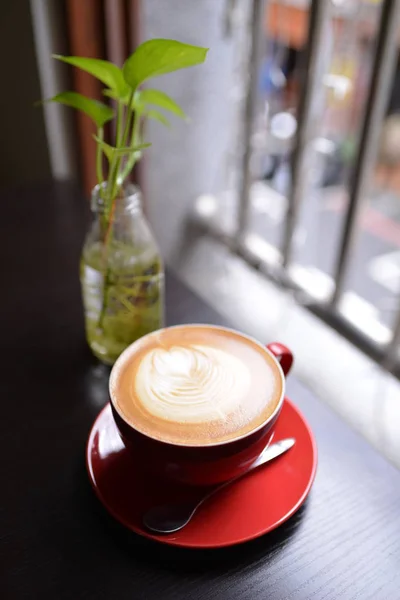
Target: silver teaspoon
169,518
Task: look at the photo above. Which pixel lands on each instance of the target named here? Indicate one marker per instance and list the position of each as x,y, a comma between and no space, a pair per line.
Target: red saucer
256,504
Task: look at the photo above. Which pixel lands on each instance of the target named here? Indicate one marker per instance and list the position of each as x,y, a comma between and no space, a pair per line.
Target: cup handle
283,356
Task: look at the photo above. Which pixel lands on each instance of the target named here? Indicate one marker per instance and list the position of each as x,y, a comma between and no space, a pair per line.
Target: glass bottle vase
122,275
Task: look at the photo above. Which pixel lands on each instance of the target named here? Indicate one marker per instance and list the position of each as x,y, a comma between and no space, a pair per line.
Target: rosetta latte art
192,384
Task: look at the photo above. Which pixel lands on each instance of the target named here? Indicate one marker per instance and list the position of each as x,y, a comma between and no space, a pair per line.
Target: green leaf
104,70
111,151
158,57
143,97
131,149
150,96
107,149
97,111
112,94
152,113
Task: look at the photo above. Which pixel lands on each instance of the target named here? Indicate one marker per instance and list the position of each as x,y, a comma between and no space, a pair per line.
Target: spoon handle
266,455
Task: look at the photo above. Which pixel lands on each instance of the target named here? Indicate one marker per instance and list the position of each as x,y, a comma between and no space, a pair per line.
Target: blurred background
280,201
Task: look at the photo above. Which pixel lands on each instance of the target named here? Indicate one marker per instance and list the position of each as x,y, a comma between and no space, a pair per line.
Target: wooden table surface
56,540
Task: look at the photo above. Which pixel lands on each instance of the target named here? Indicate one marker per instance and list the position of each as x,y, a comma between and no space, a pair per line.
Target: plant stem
112,194
109,197
115,164
107,270
133,157
129,115
99,157
135,130
120,111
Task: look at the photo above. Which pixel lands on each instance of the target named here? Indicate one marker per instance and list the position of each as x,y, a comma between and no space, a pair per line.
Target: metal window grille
383,69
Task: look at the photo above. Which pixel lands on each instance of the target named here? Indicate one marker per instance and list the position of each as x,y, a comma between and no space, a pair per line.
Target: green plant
133,106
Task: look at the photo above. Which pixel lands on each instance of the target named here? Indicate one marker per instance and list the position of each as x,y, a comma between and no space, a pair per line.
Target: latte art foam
192,384
195,385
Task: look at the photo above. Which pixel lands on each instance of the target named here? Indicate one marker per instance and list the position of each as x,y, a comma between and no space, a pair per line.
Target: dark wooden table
56,540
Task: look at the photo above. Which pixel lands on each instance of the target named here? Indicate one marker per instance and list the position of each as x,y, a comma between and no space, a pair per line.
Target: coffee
195,385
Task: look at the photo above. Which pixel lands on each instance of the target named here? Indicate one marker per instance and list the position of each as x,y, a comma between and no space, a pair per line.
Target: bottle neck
128,201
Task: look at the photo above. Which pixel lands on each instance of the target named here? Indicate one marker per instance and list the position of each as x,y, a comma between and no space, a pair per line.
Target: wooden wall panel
108,29
86,38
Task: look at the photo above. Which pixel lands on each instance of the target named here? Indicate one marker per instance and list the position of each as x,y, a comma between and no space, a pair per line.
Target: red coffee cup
211,464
